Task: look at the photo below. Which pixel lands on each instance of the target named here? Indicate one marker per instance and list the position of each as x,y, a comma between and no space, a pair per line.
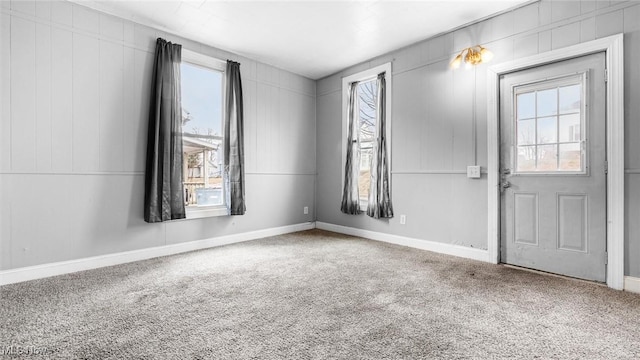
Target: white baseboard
632,284
449,249
66,267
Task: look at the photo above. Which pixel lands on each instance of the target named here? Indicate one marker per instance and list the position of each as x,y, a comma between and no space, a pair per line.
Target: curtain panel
350,194
234,141
379,195
164,195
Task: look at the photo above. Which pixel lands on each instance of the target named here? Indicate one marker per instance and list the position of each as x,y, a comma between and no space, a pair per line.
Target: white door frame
613,48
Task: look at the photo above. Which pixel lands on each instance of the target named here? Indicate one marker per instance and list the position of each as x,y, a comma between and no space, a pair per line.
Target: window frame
579,77
211,63
361,76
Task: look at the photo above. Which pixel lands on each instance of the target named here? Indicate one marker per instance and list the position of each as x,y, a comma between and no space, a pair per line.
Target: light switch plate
473,172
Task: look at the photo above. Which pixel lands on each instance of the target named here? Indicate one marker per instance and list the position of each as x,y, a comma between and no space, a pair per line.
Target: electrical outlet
403,219
305,210
473,172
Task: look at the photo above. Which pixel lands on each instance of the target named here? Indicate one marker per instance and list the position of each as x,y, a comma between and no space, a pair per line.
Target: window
202,81
549,126
366,136
367,98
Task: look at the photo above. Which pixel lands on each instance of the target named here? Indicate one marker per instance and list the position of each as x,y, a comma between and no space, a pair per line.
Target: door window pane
547,129
570,157
570,128
570,98
526,104
527,132
547,102
547,158
526,158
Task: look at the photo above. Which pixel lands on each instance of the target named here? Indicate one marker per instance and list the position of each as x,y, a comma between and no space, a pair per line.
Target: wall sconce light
471,56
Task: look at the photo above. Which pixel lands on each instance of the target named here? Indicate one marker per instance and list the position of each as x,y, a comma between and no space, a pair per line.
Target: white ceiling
310,38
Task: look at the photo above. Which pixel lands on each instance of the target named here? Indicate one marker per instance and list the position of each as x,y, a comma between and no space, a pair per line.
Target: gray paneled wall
72,135
439,121
75,88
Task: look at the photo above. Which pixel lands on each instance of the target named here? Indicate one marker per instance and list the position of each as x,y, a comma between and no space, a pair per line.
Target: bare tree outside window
367,92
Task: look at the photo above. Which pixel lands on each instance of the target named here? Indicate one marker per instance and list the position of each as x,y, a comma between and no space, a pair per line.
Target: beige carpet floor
316,295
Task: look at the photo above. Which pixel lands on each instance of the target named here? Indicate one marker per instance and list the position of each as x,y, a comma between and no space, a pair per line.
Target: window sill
205,212
364,204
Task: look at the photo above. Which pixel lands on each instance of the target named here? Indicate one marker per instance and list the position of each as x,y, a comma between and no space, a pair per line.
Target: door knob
505,184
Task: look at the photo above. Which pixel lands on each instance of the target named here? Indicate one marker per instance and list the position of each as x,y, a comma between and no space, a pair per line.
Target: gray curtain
350,195
379,197
234,141
164,196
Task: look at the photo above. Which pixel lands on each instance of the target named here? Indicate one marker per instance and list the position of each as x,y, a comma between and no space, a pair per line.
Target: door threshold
540,272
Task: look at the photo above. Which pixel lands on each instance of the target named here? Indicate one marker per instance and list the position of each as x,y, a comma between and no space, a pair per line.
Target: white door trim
613,47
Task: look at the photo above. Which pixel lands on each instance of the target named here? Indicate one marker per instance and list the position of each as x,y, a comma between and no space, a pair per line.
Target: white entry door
553,168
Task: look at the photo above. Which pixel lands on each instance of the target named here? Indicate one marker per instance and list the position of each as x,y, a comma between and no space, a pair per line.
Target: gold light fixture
471,56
